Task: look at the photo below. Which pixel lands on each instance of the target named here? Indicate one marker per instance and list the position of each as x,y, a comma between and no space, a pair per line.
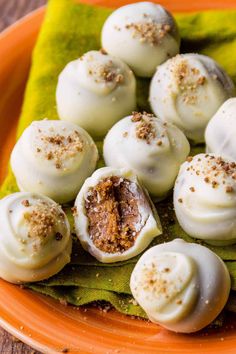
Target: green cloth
69,30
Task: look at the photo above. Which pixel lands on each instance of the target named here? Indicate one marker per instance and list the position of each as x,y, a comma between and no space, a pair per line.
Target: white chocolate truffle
35,241
205,198
95,91
114,217
181,286
220,133
53,158
187,90
154,150
143,34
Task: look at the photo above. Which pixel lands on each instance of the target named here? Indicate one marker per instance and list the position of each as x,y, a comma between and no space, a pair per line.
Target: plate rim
17,332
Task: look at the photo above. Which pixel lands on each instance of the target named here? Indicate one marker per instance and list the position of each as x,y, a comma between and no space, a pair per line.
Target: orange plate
40,321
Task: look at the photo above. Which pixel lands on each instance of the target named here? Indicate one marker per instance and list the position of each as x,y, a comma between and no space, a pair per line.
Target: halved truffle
114,217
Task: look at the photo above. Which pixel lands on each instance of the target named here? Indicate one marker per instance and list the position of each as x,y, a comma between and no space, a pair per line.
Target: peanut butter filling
113,211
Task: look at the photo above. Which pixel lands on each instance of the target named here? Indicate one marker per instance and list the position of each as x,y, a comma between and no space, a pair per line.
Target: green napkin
69,30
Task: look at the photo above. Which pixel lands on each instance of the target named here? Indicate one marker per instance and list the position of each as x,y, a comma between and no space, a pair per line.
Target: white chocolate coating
148,226
205,198
95,91
220,132
181,286
154,156
53,158
35,241
142,34
187,90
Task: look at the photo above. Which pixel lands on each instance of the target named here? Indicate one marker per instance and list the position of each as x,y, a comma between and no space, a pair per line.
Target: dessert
114,217
53,158
153,149
35,241
95,91
181,286
205,198
187,90
142,34
220,132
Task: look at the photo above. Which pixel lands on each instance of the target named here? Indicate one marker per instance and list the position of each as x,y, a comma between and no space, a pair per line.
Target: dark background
11,11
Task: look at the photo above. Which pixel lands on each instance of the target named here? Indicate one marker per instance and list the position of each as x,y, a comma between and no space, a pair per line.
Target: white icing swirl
205,198
53,158
35,241
152,149
187,90
181,286
95,91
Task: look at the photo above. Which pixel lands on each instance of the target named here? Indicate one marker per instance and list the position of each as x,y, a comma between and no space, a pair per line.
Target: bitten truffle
114,216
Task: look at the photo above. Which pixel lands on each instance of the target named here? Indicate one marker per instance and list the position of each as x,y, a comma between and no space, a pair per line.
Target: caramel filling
114,216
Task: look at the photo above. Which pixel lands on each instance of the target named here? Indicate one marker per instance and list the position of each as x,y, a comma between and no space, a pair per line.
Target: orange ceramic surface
42,322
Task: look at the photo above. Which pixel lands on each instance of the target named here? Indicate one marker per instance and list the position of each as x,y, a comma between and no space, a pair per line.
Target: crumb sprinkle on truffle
215,171
149,31
42,219
188,79
145,129
59,147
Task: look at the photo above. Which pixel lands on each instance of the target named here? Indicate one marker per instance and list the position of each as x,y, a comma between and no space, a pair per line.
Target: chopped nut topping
156,281
178,302
60,147
113,213
136,117
106,73
102,50
41,219
74,210
192,189
25,203
214,184
229,189
180,200
215,171
149,31
188,79
145,129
